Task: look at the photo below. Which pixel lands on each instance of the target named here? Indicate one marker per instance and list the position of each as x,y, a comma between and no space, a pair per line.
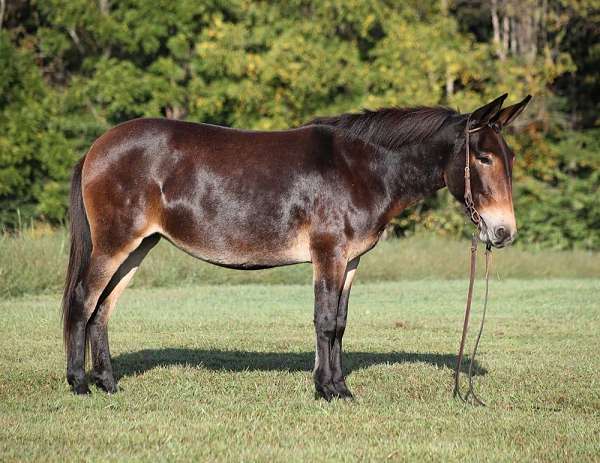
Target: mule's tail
81,250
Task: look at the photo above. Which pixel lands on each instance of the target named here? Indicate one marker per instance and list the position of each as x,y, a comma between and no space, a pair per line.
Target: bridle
476,219
468,196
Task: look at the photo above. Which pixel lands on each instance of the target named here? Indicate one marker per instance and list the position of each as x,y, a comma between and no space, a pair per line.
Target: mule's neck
408,148
415,171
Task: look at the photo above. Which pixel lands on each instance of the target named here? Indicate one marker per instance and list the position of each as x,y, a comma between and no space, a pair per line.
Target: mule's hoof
81,389
343,391
325,391
109,388
106,383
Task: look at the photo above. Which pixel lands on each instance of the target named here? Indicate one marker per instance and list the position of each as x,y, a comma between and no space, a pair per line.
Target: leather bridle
477,220
468,196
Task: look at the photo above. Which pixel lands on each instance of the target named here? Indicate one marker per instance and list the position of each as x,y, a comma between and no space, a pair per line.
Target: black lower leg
328,279
102,373
76,358
339,381
323,374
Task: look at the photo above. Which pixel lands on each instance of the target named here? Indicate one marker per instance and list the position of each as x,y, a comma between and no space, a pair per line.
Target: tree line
71,69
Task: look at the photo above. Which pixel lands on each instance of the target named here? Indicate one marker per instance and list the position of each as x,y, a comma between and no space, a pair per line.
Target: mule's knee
325,324
340,328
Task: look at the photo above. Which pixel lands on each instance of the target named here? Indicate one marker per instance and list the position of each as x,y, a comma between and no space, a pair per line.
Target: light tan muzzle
499,226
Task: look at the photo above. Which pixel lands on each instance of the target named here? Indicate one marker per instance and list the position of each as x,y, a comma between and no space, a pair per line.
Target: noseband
476,219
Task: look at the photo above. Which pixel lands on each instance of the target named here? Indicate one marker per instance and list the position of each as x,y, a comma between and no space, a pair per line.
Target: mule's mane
391,127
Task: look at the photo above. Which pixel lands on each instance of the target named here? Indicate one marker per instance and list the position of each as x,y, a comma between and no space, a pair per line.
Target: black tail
81,249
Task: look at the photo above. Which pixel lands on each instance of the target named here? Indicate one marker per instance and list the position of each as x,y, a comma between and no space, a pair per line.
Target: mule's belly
229,251
248,255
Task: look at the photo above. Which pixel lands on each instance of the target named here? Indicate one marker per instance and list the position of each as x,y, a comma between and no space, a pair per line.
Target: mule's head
491,162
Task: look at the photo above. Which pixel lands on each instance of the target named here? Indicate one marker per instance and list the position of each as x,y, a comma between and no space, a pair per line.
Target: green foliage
36,153
70,69
558,197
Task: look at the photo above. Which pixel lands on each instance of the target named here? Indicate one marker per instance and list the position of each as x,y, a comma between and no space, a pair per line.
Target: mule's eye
485,159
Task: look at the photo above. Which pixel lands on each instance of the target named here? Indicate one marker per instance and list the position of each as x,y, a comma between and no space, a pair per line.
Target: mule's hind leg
102,373
329,266
339,382
100,270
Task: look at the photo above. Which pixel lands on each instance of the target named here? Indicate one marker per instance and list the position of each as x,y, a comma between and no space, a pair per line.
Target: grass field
33,264
223,373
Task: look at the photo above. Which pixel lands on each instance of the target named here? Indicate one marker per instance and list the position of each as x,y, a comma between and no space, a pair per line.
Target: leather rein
476,219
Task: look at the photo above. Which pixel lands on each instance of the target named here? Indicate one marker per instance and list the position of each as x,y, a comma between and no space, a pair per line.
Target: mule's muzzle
502,236
497,235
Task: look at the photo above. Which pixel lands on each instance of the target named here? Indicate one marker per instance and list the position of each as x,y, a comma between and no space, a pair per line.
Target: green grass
223,373
36,265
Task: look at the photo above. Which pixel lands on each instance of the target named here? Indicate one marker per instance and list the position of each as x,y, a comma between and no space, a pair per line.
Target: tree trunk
496,26
514,36
449,85
104,7
2,10
444,7
505,33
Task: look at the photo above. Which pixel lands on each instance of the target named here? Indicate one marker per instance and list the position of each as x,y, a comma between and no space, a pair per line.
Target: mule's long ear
509,114
483,115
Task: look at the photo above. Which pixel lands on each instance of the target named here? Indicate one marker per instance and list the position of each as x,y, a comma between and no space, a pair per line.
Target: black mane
391,127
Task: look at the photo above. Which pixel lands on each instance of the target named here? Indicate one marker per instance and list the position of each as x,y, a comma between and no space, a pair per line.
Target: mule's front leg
339,381
328,267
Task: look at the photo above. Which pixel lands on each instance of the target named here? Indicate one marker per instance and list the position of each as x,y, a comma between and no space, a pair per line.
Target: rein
476,219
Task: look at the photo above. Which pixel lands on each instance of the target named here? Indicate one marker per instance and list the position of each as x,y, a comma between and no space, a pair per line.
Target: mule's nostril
501,233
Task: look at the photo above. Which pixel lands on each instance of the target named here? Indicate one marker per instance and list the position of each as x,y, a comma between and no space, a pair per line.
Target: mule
321,193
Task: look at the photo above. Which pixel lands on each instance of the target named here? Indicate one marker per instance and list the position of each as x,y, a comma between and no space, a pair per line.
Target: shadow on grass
135,363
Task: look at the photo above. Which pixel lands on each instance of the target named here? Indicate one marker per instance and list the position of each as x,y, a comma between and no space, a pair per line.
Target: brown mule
322,193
